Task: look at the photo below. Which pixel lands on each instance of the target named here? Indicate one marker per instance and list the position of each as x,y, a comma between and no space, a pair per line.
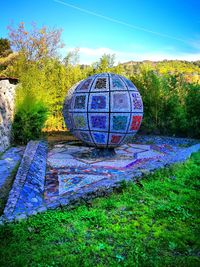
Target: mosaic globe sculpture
104,110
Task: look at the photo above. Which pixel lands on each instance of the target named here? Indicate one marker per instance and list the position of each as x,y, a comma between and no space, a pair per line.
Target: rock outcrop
7,92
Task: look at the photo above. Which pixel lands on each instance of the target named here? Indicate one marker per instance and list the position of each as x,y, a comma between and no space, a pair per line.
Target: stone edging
27,192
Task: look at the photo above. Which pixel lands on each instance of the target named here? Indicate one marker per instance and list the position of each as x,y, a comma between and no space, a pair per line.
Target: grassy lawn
154,222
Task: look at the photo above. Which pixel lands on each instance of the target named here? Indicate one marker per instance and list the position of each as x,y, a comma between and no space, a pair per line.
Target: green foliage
173,111
190,70
150,88
29,120
105,63
72,58
193,109
5,48
170,89
171,104
154,222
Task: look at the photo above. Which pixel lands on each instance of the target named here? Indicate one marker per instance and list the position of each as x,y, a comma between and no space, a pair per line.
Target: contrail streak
119,21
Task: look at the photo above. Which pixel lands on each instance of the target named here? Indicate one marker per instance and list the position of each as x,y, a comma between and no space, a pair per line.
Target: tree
36,44
105,63
109,59
72,58
5,48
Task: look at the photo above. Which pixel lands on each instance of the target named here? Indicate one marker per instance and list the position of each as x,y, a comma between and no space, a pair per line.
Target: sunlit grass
154,222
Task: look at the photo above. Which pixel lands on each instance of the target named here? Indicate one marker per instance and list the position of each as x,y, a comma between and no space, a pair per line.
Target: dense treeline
171,103
170,89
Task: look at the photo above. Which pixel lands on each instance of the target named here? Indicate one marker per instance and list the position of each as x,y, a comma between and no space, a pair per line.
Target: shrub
149,85
28,121
193,110
173,112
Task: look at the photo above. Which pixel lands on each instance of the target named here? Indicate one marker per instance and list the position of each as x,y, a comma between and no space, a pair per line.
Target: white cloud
90,55
95,52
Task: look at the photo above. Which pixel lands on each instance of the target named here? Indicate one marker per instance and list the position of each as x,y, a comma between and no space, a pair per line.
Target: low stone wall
27,192
7,92
9,163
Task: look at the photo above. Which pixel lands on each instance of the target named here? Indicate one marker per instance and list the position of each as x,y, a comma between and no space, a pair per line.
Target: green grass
154,222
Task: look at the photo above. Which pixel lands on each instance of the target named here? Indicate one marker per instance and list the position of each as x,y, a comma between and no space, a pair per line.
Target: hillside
166,66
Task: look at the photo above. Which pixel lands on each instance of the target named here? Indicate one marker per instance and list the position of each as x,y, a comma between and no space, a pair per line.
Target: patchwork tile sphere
104,110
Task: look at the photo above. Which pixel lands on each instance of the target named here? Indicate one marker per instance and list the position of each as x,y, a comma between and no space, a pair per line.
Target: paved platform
72,171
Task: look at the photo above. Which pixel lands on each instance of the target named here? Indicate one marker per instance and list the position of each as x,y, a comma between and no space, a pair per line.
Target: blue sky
130,29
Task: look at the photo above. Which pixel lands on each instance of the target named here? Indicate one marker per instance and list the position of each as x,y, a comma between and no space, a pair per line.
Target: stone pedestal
103,153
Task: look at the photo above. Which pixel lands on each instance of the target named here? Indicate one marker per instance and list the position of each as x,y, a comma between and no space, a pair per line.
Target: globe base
103,153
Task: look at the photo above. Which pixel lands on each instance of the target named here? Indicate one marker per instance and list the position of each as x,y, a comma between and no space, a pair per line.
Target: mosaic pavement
71,170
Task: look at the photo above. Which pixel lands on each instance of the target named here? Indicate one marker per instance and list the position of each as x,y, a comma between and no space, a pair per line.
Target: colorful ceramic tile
100,83
86,84
80,121
135,122
136,101
98,102
119,122
115,139
74,182
80,102
100,138
117,83
99,122
120,101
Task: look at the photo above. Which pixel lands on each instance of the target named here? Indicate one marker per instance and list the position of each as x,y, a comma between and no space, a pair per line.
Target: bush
28,121
171,104
150,86
193,110
173,116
